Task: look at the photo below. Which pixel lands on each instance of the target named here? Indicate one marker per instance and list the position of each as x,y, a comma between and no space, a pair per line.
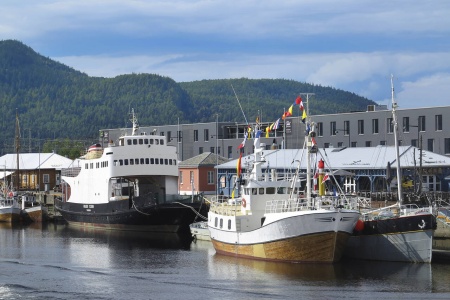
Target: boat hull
119,215
37,213
403,239
305,237
10,214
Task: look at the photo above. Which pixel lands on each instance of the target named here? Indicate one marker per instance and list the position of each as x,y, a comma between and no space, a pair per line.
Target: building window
414,143
320,129
340,144
405,124
333,128
195,135
430,143
389,125
200,150
368,143
46,178
326,145
179,136
230,151
210,177
346,127
383,143
191,177
354,144
218,150
375,126
421,123
206,135
438,122
211,149
181,177
169,135
447,145
360,126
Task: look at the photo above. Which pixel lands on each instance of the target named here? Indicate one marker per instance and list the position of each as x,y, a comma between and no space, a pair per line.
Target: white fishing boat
9,208
395,233
200,231
128,185
274,219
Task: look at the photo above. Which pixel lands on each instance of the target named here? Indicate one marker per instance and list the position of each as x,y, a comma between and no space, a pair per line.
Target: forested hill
55,101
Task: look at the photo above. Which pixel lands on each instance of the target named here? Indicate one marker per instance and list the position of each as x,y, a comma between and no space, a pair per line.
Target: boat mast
397,151
134,122
17,149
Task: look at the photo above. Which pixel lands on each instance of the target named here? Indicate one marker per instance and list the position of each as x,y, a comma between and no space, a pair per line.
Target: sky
352,45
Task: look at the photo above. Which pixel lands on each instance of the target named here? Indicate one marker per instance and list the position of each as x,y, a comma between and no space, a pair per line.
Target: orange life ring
243,203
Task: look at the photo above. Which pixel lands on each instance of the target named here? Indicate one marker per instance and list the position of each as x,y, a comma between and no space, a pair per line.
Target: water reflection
131,239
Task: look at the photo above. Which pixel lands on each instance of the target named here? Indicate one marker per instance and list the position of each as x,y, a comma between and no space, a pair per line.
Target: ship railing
269,176
225,206
71,172
287,205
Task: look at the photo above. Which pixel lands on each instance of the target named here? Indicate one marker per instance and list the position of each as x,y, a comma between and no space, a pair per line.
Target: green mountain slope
55,101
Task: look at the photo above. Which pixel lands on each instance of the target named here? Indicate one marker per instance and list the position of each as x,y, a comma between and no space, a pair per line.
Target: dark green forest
59,105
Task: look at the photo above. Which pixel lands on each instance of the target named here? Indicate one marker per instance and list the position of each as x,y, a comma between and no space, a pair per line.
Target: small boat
131,184
32,210
200,231
399,232
275,220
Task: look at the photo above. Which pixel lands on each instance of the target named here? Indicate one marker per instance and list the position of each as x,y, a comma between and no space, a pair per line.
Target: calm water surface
61,262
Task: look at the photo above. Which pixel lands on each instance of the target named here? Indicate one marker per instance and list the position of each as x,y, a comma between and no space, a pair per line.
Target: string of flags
275,125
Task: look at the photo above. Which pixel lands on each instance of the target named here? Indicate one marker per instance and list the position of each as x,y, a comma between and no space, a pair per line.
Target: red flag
298,100
238,166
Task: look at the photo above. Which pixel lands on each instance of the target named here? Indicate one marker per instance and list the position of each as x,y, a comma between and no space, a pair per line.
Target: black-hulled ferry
131,185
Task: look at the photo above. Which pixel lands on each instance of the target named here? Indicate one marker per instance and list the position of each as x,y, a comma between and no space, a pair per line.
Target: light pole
346,131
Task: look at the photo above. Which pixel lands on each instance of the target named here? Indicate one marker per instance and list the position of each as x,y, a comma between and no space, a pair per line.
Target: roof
34,161
347,158
204,159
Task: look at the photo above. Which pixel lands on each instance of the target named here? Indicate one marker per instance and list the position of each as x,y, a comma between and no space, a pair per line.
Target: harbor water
60,262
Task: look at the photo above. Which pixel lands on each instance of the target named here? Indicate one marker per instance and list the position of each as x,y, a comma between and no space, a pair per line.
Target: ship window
146,141
261,191
161,161
91,166
115,163
135,141
141,141
147,161
120,162
131,161
151,141
152,161
254,191
229,224
221,223
170,162
157,142
162,142
128,142
142,161
86,166
270,190
166,161
174,162
215,222
126,162
156,161
281,190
